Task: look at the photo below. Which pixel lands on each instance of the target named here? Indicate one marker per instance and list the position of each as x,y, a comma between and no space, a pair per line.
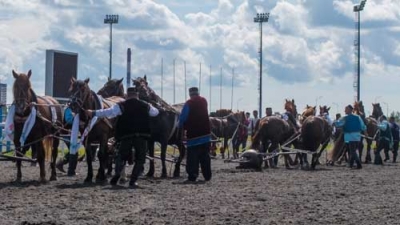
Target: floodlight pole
260,18
111,19
357,9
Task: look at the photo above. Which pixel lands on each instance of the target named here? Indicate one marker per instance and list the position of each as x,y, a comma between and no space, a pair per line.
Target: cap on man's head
193,91
350,107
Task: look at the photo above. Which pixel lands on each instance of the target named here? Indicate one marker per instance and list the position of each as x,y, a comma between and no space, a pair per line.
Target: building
3,94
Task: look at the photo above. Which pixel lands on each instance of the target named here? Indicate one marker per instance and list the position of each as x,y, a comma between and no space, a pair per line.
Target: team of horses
271,134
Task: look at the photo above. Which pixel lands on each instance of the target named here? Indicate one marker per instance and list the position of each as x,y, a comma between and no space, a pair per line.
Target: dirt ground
329,195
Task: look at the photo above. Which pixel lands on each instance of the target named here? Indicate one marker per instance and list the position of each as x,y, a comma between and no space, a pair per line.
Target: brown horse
372,126
82,98
164,127
226,127
315,133
273,131
113,87
44,125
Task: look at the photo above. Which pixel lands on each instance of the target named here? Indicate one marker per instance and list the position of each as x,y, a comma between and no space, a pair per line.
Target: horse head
377,110
145,92
79,94
113,87
22,92
324,109
358,108
309,111
291,107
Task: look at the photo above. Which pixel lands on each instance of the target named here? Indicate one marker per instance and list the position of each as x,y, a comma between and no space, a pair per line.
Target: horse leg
54,154
151,154
89,162
368,158
177,170
360,148
163,157
271,161
19,163
101,176
41,161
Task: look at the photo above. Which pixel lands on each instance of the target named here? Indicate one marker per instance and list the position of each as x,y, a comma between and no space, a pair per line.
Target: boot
60,164
73,161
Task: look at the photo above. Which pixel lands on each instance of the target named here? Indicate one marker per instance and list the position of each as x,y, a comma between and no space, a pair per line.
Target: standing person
395,135
268,111
68,119
246,132
194,119
253,122
132,130
352,127
384,141
336,130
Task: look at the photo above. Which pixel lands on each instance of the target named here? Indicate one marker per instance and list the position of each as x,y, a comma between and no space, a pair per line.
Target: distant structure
61,66
3,94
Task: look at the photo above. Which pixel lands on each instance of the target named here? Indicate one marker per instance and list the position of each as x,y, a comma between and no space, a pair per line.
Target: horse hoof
43,180
122,181
53,178
164,175
18,180
88,180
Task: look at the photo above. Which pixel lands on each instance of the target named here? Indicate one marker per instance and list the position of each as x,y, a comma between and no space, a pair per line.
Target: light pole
162,77
111,19
260,19
186,90
357,9
387,108
376,98
210,90
174,80
316,100
233,72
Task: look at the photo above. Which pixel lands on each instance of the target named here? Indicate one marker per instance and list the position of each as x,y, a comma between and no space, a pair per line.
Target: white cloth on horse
74,144
26,130
10,128
285,116
328,119
88,128
9,125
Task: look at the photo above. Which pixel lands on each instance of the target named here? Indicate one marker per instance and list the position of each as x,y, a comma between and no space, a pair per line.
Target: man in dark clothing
132,130
268,111
194,119
384,142
395,134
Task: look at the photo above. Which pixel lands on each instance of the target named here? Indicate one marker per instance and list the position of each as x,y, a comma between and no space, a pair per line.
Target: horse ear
307,106
120,81
292,100
87,80
29,74
15,75
328,108
73,80
314,107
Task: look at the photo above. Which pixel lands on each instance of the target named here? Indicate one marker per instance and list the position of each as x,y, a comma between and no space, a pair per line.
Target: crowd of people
132,132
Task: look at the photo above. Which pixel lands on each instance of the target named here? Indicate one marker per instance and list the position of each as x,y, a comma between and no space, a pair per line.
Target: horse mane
222,112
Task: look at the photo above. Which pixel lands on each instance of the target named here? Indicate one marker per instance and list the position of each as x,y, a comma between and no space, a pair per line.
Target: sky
308,52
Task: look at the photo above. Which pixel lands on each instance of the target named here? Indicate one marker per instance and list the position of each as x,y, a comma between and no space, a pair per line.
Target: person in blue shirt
395,135
195,121
352,126
384,141
68,119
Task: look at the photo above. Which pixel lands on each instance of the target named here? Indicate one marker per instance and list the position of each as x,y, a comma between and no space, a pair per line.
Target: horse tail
337,150
47,146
